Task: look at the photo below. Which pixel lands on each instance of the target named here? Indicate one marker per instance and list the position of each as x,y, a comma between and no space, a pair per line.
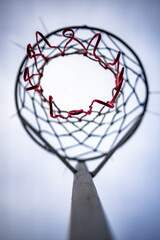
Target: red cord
31,54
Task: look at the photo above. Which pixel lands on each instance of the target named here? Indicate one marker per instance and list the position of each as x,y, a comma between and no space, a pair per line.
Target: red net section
69,35
82,134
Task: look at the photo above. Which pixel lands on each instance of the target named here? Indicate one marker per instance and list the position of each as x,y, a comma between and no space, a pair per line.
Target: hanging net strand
82,134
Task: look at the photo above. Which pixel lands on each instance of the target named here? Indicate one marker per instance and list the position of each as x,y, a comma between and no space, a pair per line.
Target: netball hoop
84,133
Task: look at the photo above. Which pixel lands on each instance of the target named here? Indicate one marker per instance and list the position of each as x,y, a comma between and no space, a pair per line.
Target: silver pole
87,218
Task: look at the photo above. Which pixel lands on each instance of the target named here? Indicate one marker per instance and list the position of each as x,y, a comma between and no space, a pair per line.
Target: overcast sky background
35,187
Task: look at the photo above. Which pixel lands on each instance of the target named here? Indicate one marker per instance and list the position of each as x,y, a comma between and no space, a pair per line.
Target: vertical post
87,218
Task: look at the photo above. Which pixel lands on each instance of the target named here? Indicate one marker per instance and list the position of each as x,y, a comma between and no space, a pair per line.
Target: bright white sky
35,186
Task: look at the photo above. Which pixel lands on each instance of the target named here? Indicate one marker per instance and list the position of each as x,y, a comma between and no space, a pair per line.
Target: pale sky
35,187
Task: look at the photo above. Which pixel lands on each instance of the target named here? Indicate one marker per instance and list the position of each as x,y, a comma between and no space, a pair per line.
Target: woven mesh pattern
85,137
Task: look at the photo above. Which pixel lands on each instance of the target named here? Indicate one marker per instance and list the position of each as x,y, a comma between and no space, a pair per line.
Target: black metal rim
51,149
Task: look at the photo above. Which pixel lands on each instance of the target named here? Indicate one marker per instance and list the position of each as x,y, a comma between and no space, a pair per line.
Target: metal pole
87,218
